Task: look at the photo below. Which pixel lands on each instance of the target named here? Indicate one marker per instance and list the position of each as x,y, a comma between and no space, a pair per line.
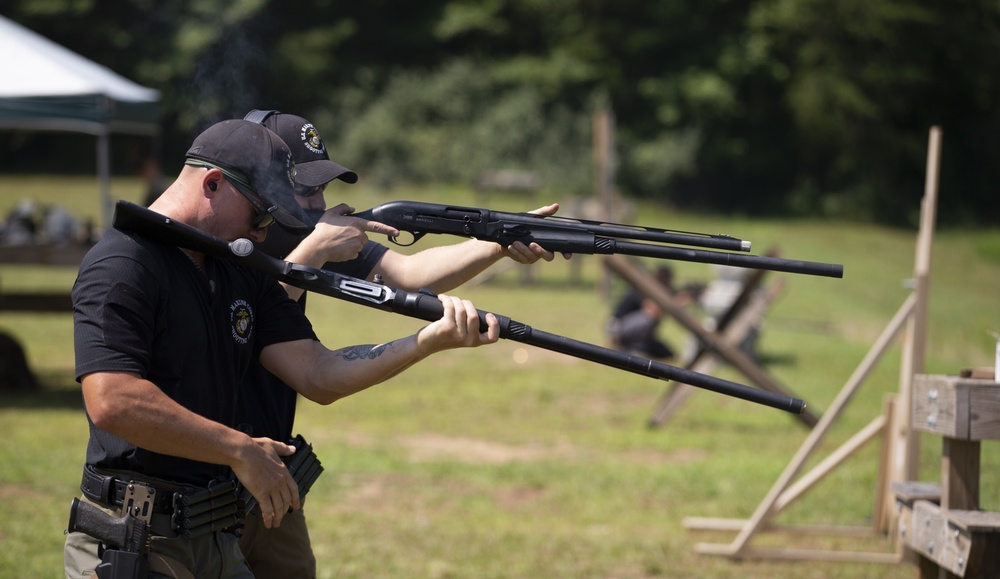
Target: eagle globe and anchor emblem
241,320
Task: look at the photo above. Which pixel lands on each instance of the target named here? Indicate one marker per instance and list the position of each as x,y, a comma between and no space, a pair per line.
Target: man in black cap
162,336
340,244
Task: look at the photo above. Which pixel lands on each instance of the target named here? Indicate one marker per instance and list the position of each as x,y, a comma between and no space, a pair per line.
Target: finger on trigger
378,227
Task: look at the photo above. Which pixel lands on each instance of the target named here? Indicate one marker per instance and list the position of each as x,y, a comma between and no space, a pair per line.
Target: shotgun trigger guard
303,272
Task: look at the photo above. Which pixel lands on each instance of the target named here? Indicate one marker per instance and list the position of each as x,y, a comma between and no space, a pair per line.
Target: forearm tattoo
365,352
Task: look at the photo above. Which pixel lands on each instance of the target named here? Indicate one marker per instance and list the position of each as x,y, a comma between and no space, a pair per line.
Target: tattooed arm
325,375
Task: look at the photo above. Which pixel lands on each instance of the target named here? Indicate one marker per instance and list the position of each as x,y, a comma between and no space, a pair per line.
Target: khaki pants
281,552
211,555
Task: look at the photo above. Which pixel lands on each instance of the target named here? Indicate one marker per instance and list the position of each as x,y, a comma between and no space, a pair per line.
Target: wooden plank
975,520
934,406
883,512
984,422
800,554
711,524
956,407
703,361
831,462
927,536
910,491
61,255
983,373
904,441
36,302
960,474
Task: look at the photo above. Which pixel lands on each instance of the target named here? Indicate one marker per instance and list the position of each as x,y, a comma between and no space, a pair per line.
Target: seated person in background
636,318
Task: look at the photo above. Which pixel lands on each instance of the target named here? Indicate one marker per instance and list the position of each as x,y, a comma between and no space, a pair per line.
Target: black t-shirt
143,307
268,406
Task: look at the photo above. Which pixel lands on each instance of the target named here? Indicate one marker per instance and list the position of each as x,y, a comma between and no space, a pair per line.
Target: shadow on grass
55,390
769,359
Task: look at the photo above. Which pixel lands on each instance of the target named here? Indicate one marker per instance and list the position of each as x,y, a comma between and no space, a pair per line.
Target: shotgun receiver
569,235
129,216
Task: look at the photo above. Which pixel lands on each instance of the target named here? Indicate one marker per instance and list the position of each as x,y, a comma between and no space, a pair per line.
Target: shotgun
569,235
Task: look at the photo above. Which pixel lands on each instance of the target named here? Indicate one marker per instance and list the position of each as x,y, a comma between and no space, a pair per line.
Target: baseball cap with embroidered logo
312,160
258,164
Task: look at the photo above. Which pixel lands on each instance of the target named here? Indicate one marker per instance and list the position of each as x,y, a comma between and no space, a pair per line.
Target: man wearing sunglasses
338,243
162,336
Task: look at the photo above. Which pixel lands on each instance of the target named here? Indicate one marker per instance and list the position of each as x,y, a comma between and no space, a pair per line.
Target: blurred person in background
636,319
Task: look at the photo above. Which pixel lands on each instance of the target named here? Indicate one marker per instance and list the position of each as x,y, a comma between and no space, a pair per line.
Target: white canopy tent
46,87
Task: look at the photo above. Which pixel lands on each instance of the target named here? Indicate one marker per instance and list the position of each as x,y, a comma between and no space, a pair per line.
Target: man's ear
212,178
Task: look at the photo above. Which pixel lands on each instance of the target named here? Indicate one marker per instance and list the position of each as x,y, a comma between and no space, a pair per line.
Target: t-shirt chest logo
241,321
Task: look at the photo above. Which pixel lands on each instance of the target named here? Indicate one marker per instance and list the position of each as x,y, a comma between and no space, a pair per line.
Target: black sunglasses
264,217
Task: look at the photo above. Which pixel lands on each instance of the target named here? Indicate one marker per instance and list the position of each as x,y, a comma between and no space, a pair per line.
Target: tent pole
104,174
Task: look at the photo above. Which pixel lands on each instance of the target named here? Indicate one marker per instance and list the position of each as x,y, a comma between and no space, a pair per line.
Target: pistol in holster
124,540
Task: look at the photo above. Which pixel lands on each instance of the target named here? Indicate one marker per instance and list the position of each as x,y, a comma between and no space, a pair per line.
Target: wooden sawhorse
722,343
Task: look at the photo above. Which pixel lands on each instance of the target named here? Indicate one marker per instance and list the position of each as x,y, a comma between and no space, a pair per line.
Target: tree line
752,107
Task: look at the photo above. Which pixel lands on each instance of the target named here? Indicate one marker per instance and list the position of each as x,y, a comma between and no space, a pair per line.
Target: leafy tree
744,106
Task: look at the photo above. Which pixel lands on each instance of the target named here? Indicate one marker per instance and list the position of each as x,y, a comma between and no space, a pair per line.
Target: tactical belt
191,511
111,490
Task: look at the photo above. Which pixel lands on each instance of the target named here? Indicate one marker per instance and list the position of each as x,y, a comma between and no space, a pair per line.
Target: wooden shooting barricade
723,343
900,444
942,525
731,329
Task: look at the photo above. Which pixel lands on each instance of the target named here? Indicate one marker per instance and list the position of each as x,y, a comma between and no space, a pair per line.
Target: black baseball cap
257,162
312,161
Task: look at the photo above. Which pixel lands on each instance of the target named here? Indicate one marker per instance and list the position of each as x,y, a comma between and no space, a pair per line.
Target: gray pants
215,555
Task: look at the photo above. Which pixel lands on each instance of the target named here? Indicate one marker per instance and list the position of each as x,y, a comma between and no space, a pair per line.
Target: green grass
487,463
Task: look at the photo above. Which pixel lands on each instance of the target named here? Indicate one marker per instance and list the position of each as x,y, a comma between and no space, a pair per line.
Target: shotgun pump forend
570,235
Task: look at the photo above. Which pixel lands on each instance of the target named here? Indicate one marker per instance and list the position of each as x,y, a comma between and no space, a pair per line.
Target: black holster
118,564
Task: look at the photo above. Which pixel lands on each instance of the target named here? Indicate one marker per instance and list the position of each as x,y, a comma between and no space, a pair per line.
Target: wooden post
904,443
